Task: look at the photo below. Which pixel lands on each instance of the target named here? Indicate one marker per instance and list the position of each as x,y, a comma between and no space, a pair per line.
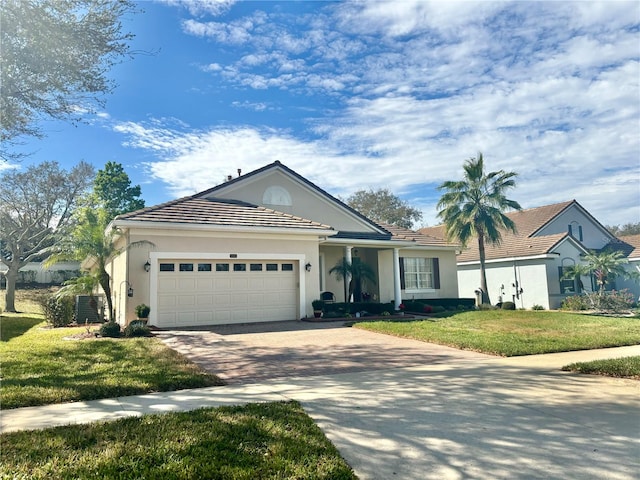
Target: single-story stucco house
258,248
528,267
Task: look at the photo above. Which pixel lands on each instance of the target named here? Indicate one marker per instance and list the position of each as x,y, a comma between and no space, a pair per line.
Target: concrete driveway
398,408
262,352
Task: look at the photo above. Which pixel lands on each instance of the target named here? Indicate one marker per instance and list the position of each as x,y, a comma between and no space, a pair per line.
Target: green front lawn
519,332
40,367
626,367
258,441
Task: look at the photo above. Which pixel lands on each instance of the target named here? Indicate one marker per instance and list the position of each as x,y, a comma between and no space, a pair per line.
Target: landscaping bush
58,311
142,311
537,307
576,303
110,329
613,301
508,306
137,329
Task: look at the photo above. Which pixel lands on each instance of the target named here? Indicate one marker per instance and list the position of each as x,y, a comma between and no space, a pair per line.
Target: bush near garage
58,311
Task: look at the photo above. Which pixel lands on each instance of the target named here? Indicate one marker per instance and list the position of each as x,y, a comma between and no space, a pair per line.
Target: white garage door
211,292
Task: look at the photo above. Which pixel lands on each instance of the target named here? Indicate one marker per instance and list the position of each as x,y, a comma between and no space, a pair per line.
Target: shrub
613,301
438,309
110,329
427,309
508,306
58,311
142,311
576,303
317,304
537,307
137,329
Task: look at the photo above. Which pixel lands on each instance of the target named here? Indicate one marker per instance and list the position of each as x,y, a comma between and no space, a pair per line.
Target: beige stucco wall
305,203
219,244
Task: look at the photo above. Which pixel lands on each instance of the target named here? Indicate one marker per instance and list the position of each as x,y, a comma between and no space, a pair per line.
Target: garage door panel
226,296
166,284
239,283
204,300
166,301
204,318
186,300
186,284
204,284
222,284
256,283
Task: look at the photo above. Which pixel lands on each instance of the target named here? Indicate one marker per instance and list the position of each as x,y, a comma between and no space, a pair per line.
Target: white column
349,258
397,291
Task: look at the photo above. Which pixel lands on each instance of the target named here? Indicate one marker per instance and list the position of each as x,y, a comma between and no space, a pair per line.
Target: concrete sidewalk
516,417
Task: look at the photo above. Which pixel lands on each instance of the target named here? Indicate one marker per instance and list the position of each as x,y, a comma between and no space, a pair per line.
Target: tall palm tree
475,206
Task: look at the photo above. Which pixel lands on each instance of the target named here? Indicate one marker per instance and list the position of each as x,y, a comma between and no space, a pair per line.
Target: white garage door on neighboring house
212,292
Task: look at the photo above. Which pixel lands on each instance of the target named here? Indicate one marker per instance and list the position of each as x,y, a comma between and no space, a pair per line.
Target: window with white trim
418,273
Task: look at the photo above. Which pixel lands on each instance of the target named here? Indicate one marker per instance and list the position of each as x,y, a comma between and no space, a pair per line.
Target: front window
418,273
567,284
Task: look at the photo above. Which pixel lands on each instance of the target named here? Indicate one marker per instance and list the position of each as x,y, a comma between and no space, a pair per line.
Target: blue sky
377,94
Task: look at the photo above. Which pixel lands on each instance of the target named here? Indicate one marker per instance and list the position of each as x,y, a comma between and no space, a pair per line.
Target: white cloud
548,89
202,7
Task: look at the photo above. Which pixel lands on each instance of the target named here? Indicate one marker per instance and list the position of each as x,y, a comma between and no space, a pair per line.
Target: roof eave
511,259
387,244
319,231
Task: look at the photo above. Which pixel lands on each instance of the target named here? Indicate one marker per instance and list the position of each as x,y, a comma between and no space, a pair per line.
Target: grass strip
625,367
256,441
519,332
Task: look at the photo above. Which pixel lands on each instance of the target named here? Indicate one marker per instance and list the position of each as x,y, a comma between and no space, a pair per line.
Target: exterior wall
539,278
202,244
304,202
593,236
501,279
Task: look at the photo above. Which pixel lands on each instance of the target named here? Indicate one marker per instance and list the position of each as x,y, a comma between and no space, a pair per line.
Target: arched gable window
276,195
575,230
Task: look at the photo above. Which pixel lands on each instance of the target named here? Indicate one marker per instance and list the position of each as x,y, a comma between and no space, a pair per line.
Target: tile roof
630,246
426,239
221,212
521,244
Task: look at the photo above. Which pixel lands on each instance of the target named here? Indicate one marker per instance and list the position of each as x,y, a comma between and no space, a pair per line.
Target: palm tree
358,271
475,206
90,240
605,266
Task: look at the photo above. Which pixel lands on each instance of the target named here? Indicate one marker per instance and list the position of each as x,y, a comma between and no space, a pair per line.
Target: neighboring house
630,246
259,248
36,273
527,267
